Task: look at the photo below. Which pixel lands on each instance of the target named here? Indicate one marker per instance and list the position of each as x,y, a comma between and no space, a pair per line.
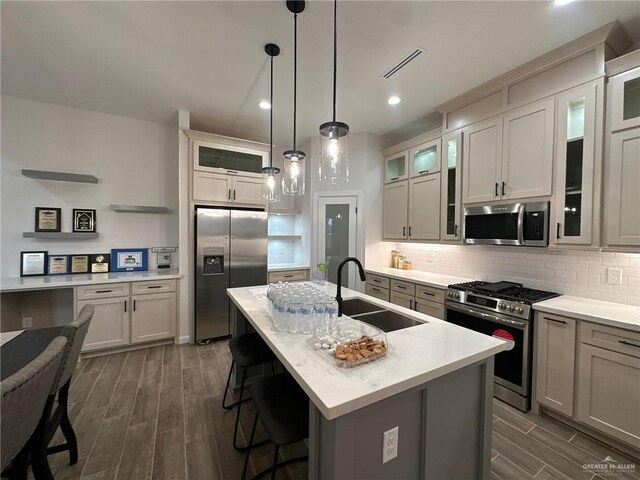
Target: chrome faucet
363,277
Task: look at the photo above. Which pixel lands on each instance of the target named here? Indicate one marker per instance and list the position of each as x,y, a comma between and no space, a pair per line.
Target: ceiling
148,59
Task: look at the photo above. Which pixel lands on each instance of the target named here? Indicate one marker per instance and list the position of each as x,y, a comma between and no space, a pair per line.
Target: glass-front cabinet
220,158
451,186
395,167
625,100
425,158
574,166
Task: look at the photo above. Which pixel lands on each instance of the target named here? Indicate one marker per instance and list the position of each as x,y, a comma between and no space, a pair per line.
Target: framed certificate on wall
129,259
48,219
58,264
33,264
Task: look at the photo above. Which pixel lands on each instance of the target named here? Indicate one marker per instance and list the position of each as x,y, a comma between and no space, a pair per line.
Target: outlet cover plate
389,444
614,276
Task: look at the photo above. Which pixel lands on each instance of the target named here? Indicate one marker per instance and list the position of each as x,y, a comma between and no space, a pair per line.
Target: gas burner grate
517,294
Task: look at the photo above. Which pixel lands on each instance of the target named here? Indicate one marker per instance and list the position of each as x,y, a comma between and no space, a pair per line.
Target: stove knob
510,307
456,295
449,294
501,306
520,310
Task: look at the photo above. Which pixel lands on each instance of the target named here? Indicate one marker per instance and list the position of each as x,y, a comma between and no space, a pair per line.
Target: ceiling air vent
403,63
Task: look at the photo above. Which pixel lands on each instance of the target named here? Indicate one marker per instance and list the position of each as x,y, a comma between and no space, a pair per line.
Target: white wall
134,160
581,273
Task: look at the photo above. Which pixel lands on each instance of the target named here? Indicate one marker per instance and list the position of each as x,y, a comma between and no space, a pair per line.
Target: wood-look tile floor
156,414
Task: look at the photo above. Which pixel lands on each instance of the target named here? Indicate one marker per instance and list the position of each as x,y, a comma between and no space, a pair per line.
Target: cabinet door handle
104,291
154,286
455,230
393,179
125,305
404,231
231,172
375,289
497,189
134,305
409,231
624,342
558,230
410,304
423,171
234,193
415,305
288,276
229,195
503,185
554,320
428,293
402,287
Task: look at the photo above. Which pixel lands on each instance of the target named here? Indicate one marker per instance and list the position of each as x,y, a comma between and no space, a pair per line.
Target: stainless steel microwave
525,224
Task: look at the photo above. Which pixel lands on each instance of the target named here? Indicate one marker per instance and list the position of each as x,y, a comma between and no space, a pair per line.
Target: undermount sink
388,321
357,306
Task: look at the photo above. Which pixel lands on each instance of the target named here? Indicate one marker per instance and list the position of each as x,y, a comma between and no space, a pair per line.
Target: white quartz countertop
416,355
597,311
287,266
15,284
416,276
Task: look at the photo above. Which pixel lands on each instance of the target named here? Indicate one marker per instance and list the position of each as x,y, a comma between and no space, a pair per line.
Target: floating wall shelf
59,176
60,235
138,209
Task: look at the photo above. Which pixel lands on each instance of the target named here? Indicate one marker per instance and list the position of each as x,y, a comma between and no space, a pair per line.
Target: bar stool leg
274,468
39,462
20,464
246,458
235,430
226,388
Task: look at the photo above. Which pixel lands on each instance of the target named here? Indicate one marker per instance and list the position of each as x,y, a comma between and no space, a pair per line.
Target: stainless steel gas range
503,310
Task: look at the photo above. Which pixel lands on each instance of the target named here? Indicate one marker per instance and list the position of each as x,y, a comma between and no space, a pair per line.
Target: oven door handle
494,318
521,225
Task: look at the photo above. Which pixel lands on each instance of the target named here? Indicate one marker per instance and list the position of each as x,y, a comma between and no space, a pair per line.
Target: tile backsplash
571,272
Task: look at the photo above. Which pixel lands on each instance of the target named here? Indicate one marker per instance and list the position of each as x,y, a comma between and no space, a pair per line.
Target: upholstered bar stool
283,408
22,425
75,332
247,350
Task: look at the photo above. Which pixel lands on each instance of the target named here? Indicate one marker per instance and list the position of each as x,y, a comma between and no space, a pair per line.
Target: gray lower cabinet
433,309
377,292
609,382
401,299
556,343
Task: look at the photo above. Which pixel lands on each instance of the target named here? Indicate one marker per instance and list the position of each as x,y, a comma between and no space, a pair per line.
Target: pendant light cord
295,74
335,53
271,118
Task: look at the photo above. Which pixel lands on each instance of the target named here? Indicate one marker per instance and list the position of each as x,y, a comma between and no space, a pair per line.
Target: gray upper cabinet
396,167
451,175
395,211
424,207
425,158
527,153
625,100
622,194
482,157
575,154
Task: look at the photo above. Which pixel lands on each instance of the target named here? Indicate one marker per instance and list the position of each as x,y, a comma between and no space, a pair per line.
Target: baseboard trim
184,339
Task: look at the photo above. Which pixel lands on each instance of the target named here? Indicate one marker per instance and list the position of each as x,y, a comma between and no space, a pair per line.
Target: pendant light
334,162
270,173
294,160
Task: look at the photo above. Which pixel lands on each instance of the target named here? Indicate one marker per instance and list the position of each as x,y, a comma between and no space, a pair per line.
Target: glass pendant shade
293,175
272,184
334,162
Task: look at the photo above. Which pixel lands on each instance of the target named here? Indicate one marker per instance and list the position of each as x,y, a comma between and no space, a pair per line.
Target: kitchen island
435,384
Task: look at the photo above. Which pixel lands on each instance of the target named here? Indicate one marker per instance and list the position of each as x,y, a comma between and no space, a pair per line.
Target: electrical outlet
27,322
389,445
614,276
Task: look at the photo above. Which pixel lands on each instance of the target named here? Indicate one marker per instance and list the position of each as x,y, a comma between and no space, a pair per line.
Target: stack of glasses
301,308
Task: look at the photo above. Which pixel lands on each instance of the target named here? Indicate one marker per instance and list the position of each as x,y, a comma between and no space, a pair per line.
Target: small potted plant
320,274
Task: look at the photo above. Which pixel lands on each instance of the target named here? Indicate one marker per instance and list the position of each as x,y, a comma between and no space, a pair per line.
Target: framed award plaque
48,219
33,264
100,263
79,264
84,220
129,259
58,264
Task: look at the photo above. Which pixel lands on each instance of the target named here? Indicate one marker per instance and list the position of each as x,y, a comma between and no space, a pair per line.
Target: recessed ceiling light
562,2
393,100
264,105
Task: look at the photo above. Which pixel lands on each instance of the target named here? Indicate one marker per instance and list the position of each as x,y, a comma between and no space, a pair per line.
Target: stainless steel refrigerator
231,251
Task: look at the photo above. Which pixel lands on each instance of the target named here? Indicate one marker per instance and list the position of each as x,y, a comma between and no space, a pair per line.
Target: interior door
336,240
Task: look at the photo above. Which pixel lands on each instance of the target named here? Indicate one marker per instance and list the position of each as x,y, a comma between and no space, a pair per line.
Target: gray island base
435,386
